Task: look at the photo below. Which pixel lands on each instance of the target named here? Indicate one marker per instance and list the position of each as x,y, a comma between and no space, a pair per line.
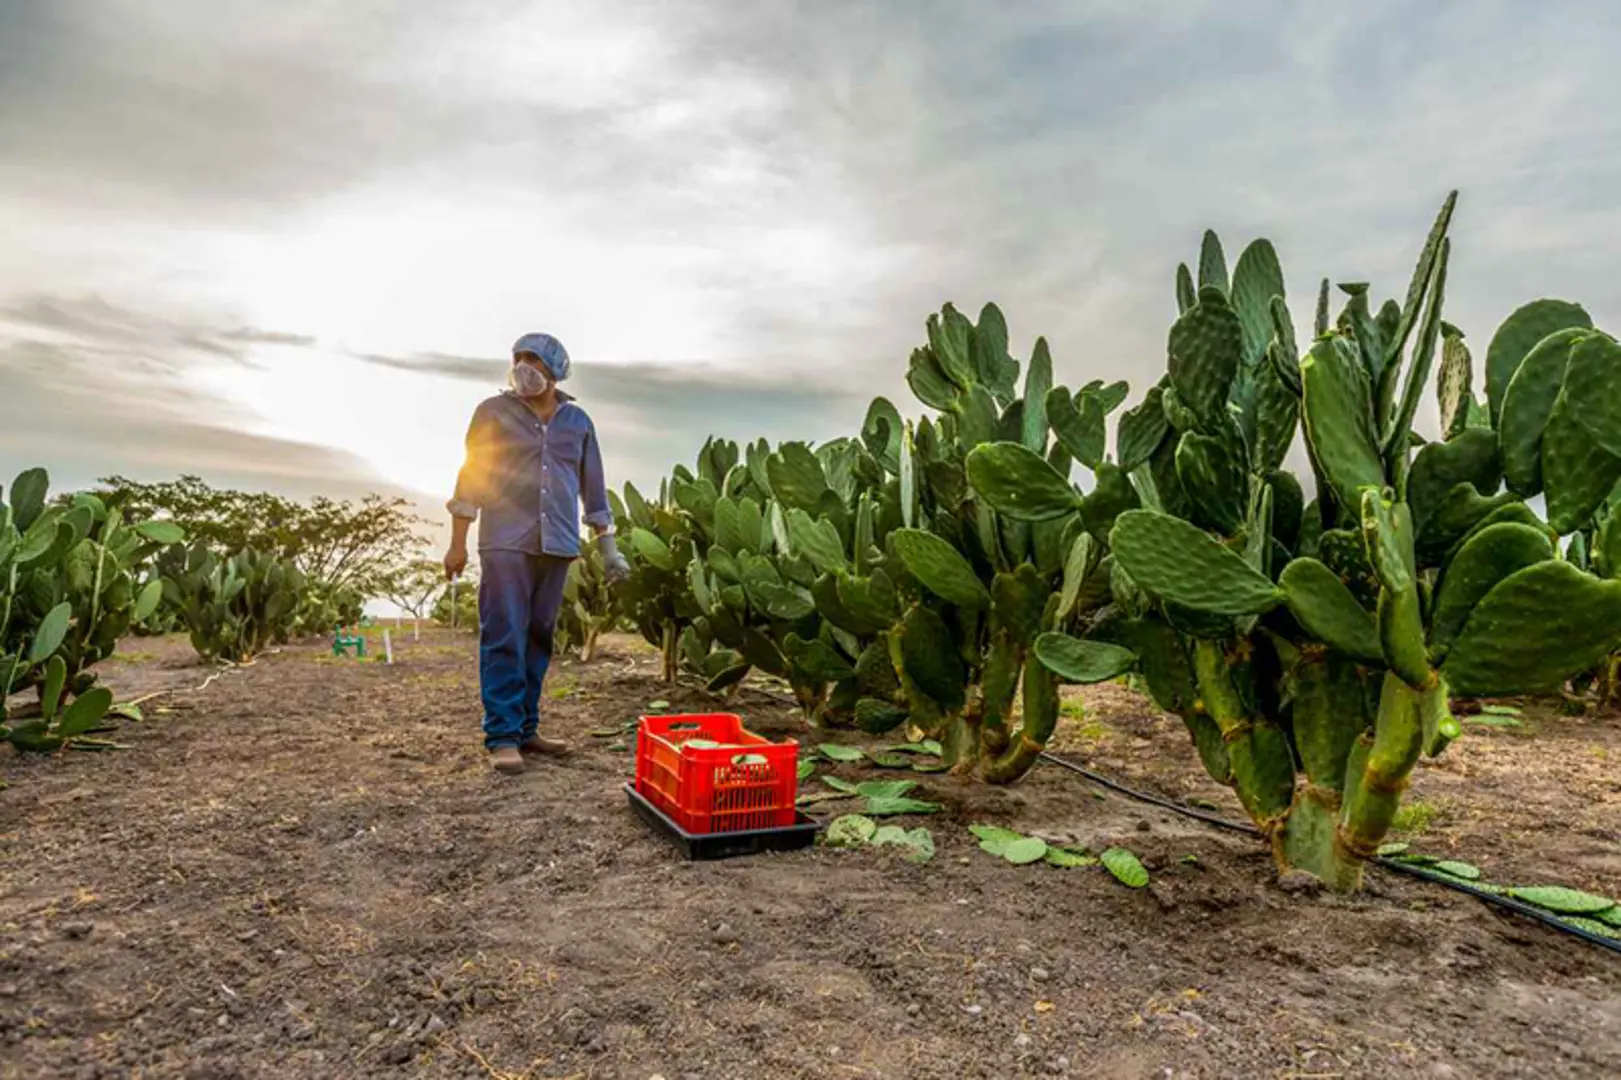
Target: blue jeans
519,597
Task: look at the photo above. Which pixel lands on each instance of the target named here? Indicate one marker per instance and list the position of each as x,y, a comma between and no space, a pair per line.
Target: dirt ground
307,870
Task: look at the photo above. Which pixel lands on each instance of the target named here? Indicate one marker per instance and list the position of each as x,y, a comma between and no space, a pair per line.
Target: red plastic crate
746,783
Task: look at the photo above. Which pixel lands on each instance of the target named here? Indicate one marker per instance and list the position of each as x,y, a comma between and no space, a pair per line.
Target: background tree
415,587
340,544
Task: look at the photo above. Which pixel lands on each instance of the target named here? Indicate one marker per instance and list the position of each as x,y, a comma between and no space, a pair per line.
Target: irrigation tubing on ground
1508,903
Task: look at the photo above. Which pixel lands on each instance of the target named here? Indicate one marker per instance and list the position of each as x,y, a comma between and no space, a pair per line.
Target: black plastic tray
725,845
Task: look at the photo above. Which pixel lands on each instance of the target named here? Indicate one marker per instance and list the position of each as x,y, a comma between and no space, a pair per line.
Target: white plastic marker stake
416,628
453,583
388,646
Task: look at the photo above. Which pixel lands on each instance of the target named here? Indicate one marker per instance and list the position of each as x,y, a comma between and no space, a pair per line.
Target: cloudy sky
288,245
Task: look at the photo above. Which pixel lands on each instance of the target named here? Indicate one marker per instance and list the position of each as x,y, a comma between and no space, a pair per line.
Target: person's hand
615,567
455,561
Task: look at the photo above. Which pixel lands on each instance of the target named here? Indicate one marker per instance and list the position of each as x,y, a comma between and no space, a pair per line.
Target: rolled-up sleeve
593,483
472,483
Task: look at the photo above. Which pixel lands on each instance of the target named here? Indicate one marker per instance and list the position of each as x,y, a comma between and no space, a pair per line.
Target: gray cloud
820,175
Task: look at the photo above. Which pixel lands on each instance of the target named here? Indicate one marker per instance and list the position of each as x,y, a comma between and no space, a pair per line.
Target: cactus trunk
1257,748
667,653
1040,718
1381,764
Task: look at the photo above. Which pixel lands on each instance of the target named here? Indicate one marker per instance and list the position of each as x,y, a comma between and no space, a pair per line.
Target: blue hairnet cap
551,352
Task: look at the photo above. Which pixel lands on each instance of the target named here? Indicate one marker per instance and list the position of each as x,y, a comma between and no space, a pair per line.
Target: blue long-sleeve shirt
525,479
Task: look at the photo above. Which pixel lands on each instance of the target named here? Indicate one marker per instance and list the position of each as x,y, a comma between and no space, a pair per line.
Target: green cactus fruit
1593,389
1079,425
930,659
1214,481
1485,559
1578,474
1537,627
939,567
1141,430
1440,726
1077,660
1328,611
1517,336
1528,402
1206,348
1337,410
1212,264
1020,484
1181,563
1470,458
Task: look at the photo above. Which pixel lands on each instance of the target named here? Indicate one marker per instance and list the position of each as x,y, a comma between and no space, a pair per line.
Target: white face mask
527,380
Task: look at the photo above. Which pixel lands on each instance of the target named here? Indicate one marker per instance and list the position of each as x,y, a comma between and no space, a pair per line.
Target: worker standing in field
532,458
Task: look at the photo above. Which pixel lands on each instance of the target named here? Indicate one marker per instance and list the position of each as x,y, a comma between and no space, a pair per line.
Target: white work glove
615,568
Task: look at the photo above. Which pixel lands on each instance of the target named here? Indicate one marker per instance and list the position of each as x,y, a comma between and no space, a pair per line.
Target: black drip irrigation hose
1508,903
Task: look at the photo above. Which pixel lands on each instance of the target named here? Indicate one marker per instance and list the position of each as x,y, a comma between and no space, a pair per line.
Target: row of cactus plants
69,589
1310,645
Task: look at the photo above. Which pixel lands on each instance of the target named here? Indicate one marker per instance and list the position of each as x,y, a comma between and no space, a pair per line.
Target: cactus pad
1182,564
1535,629
1327,610
1020,484
1517,336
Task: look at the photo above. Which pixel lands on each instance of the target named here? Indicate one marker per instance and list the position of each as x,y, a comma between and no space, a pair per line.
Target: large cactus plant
1311,648
994,545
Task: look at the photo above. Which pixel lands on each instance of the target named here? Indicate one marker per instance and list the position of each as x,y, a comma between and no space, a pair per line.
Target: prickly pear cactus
1311,650
67,594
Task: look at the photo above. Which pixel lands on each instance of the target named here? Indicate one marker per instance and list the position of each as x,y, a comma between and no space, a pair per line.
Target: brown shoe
506,759
537,746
